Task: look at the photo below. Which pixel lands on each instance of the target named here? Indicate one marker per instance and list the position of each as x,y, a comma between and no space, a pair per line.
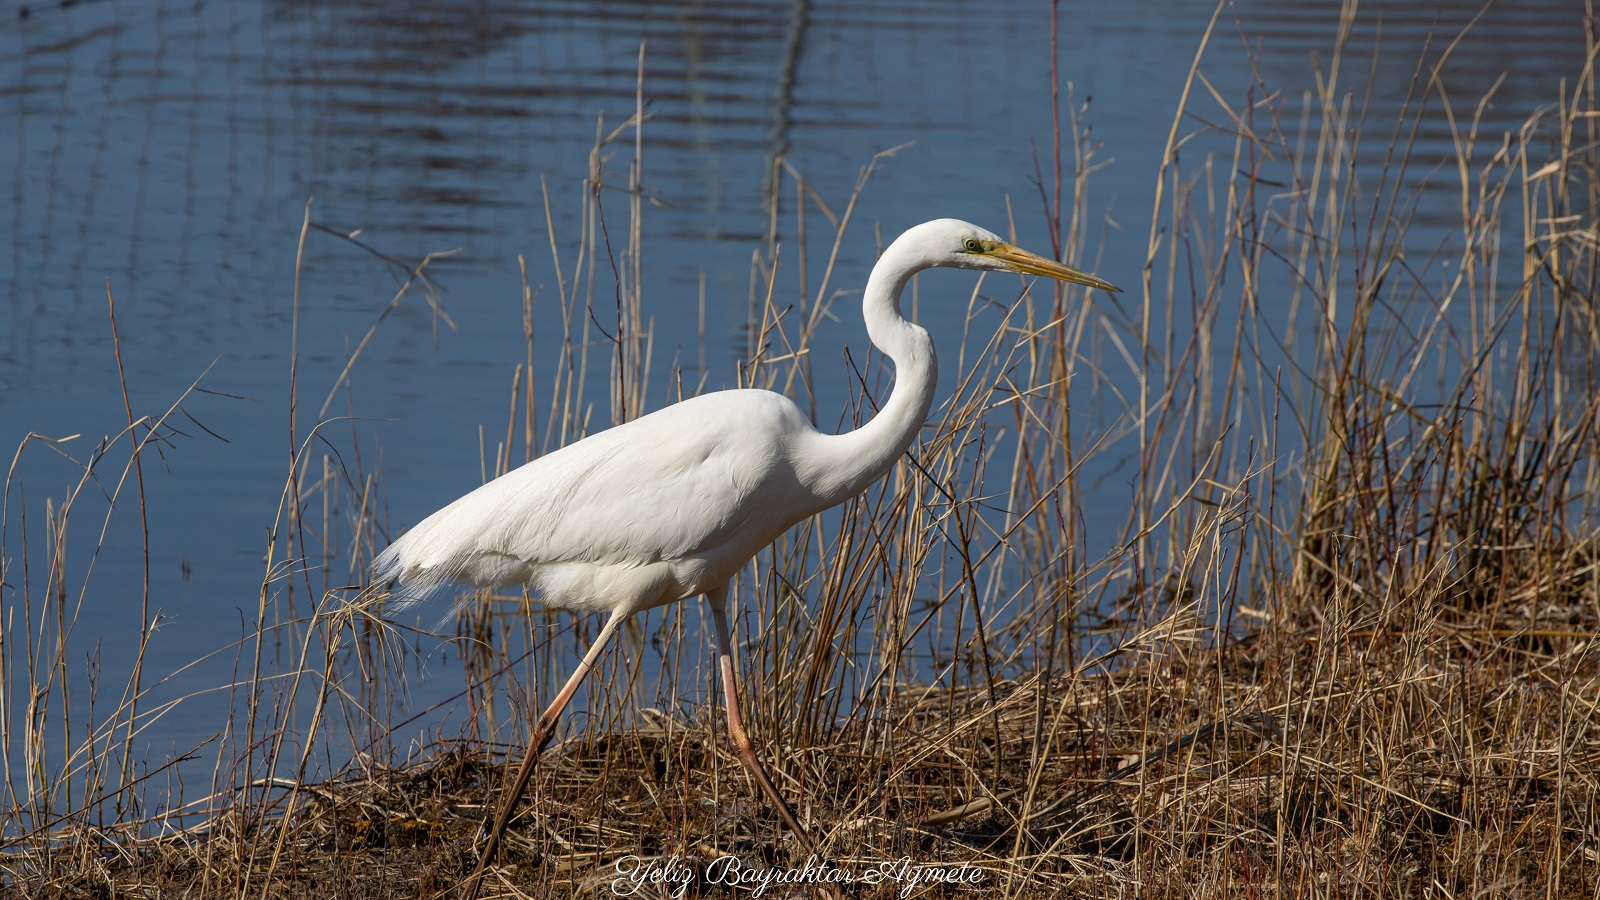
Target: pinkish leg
543,730
717,601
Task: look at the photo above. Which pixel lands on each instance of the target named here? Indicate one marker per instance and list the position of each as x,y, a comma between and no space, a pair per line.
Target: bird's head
961,245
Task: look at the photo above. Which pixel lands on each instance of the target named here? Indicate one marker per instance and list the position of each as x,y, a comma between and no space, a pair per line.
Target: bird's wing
666,486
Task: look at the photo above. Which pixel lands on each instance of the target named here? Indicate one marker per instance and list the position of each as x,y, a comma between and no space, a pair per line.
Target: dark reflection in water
169,148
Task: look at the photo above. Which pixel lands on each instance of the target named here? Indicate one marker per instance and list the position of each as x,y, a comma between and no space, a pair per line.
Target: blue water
166,152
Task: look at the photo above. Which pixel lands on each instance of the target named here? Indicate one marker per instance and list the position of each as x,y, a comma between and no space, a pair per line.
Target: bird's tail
401,590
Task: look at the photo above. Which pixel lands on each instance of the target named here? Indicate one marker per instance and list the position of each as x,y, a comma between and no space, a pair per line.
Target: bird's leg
717,600
543,730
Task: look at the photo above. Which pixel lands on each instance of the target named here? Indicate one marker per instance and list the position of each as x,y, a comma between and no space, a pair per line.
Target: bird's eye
974,245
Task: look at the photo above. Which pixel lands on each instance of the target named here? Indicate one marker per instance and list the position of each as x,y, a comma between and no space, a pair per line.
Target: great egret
670,505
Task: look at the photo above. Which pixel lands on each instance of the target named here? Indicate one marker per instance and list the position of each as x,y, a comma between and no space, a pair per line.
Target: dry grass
1327,755
1344,645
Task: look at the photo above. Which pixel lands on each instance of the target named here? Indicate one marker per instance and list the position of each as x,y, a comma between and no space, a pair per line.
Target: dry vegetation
1344,647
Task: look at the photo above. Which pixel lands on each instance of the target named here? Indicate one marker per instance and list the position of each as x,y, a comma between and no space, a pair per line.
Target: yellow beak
1019,260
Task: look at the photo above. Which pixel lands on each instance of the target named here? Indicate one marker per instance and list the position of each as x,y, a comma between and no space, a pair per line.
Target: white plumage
673,504
659,509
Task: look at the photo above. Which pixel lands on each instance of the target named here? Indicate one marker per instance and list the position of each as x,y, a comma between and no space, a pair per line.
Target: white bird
671,505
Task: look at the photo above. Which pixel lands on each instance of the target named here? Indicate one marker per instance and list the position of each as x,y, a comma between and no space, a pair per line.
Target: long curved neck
848,463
